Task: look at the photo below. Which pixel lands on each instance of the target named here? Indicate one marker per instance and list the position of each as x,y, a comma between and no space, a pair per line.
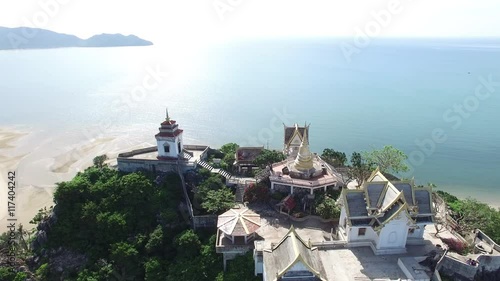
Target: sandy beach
41,159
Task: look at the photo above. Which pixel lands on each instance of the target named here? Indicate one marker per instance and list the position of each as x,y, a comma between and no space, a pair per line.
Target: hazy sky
200,21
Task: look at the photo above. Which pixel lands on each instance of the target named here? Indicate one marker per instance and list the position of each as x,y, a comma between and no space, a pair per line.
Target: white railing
301,182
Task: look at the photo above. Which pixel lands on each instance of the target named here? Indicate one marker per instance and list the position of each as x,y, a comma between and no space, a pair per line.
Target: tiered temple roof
291,132
287,253
169,128
379,201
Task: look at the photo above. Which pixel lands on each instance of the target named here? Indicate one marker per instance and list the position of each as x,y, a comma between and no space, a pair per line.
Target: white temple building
384,215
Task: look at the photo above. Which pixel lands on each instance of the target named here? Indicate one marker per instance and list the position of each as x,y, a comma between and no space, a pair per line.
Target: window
362,231
166,147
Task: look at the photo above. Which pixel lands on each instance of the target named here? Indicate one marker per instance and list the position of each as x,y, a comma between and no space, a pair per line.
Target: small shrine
305,170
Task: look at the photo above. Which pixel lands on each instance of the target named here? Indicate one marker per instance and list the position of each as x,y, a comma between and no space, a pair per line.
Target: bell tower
169,139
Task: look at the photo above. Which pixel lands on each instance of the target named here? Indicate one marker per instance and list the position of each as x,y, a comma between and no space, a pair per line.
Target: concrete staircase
186,155
224,173
207,166
262,175
240,192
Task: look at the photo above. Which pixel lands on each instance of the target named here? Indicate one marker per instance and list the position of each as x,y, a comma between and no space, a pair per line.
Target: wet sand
41,159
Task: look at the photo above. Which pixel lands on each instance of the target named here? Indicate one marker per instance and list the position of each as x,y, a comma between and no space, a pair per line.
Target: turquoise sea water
391,92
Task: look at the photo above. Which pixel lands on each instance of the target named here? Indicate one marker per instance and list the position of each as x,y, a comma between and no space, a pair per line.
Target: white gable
296,140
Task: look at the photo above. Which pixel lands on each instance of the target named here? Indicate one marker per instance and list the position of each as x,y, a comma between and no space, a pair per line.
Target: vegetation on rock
470,214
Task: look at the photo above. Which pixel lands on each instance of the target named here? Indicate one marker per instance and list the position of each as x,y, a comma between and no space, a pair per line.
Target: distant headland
36,38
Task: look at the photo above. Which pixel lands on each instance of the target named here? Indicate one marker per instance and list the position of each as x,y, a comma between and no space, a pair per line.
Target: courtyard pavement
357,263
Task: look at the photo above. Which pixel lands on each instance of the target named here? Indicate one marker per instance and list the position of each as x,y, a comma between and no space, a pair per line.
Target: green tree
99,160
187,243
6,274
333,157
239,269
154,271
229,150
473,214
218,201
21,276
267,157
43,271
125,259
327,208
360,169
388,159
470,214
155,241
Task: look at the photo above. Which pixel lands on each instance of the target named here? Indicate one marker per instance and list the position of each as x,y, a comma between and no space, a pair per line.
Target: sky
202,21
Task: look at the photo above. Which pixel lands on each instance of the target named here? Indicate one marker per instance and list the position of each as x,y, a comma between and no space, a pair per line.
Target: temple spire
304,160
167,118
304,137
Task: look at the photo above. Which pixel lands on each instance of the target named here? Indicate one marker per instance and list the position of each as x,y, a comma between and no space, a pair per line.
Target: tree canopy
214,195
360,169
326,207
229,151
470,214
333,157
389,159
128,227
218,201
267,157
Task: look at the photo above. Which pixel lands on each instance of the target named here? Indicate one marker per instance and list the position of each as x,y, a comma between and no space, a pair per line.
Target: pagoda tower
169,140
304,160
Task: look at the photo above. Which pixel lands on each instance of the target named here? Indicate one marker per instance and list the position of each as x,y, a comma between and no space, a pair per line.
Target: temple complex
302,169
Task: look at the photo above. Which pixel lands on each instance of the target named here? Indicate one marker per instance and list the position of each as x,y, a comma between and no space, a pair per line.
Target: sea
438,100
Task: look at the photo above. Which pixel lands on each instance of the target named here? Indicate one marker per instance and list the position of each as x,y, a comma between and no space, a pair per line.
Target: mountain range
36,38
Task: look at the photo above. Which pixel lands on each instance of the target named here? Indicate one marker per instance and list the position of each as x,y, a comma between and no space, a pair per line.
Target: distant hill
36,38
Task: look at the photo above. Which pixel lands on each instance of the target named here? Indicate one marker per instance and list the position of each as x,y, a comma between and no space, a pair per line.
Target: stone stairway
224,173
262,175
207,166
240,192
186,155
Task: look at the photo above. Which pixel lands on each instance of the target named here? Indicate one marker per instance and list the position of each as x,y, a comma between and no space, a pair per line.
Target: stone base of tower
147,159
